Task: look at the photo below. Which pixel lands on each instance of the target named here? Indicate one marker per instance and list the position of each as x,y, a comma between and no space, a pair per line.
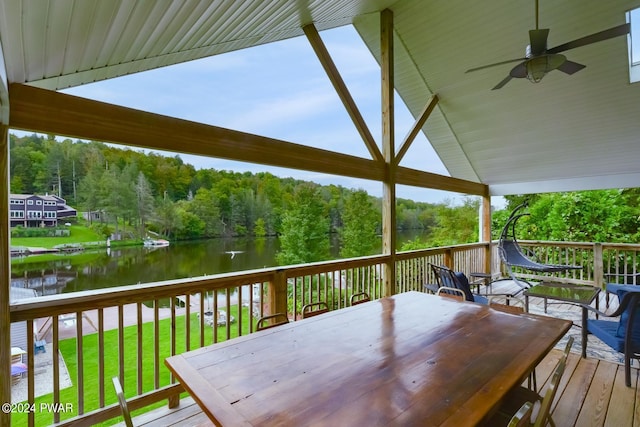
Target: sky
278,90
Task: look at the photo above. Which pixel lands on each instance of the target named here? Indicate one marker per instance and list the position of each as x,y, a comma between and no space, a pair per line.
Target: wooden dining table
411,359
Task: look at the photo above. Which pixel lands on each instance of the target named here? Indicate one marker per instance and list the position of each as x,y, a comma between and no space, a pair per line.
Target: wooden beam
388,150
416,178
411,136
486,229
45,111
341,88
5,279
52,112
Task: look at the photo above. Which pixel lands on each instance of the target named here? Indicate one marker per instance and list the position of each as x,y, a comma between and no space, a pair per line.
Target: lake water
131,265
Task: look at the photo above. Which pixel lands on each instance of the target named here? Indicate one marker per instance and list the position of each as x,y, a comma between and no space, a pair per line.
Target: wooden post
448,259
598,266
388,152
5,269
486,230
278,293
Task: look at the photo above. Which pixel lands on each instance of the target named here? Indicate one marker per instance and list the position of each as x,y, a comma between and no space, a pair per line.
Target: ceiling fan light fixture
538,66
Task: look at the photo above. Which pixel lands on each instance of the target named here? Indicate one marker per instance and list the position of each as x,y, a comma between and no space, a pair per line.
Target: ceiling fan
539,60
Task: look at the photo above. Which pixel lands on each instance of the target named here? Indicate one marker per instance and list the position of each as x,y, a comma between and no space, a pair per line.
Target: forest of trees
136,192
581,216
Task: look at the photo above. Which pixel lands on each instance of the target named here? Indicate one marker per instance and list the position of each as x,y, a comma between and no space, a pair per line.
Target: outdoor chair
314,309
513,305
613,284
271,321
522,418
507,303
359,298
453,293
624,335
122,401
512,255
448,278
520,397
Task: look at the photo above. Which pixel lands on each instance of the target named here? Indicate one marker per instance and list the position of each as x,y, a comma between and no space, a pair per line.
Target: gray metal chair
453,293
448,278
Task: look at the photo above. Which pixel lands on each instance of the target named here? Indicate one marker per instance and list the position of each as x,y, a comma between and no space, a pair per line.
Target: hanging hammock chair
512,254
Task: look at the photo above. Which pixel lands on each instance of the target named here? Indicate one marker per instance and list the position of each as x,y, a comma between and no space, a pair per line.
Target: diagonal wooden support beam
341,88
411,136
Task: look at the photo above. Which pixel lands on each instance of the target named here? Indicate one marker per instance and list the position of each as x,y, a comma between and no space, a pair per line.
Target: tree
191,227
204,207
89,186
144,201
305,228
167,217
111,198
457,224
359,223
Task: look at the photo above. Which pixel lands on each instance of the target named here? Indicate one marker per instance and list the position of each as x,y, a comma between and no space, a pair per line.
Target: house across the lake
31,210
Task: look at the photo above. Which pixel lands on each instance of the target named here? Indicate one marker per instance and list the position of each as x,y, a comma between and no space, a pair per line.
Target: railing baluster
121,361
203,295
140,338
214,301
156,343
80,353
101,376
30,374
228,311
187,323
172,331
56,365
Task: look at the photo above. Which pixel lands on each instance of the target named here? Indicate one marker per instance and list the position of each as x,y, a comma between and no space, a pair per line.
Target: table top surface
410,359
582,294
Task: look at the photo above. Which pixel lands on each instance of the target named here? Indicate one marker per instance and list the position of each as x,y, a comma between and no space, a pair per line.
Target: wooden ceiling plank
341,88
47,111
411,136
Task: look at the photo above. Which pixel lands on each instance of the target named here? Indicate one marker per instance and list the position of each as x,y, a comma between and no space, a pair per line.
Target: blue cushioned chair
624,335
455,279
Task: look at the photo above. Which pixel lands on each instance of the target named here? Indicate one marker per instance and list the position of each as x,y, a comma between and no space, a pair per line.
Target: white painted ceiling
564,133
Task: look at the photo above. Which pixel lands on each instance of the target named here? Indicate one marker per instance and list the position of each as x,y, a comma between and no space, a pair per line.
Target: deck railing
129,331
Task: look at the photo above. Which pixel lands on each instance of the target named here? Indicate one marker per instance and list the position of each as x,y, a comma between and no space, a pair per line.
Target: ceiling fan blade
538,41
570,67
519,71
493,65
620,30
502,83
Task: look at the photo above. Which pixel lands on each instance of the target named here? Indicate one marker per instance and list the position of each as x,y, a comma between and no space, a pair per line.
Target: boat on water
155,243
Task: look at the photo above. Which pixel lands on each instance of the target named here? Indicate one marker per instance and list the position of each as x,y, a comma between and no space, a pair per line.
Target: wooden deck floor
592,391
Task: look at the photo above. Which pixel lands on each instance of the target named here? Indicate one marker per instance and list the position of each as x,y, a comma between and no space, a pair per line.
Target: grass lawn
111,367
79,234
